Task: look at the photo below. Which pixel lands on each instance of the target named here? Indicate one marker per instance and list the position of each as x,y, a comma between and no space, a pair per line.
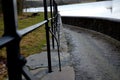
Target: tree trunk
0,7
19,6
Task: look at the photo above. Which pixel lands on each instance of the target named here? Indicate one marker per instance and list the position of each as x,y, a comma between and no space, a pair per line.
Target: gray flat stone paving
38,63
67,73
40,60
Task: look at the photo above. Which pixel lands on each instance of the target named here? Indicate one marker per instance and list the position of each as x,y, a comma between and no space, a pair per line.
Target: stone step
67,73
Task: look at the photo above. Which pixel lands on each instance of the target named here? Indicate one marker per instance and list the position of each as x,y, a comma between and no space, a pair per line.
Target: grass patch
25,20
1,26
34,41
31,43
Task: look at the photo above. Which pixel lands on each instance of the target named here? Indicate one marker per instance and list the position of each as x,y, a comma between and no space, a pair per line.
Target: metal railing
12,37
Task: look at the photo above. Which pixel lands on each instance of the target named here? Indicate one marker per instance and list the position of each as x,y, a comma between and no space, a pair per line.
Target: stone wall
72,1
109,27
38,3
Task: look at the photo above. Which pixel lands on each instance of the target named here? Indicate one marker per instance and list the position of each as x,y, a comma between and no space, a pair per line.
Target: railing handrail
12,37
29,29
6,39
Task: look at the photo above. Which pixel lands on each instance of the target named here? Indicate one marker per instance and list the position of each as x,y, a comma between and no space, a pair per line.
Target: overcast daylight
59,39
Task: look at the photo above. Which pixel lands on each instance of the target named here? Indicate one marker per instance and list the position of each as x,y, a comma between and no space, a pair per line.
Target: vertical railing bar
15,61
54,17
56,30
47,36
58,27
57,49
51,12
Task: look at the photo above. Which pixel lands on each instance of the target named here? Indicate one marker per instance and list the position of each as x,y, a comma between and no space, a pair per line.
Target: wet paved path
94,56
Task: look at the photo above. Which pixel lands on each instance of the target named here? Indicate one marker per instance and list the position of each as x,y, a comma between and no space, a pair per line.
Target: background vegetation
31,43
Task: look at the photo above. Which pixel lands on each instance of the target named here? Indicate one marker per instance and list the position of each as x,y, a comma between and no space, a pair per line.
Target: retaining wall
109,27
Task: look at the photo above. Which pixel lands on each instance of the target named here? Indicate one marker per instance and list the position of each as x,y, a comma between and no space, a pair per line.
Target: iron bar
5,40
47,36
13,48
29,29
58,46
51,12
12,37
58,34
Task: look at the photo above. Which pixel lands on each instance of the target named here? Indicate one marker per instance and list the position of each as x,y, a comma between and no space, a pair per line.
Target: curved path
94,55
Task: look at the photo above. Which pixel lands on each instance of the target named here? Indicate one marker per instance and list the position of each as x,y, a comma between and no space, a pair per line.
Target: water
95,9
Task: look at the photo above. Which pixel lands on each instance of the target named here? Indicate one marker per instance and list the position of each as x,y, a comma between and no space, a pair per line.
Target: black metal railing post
12,37
58,34
14,60
52,27
55,15
56,30
47,36
54,20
